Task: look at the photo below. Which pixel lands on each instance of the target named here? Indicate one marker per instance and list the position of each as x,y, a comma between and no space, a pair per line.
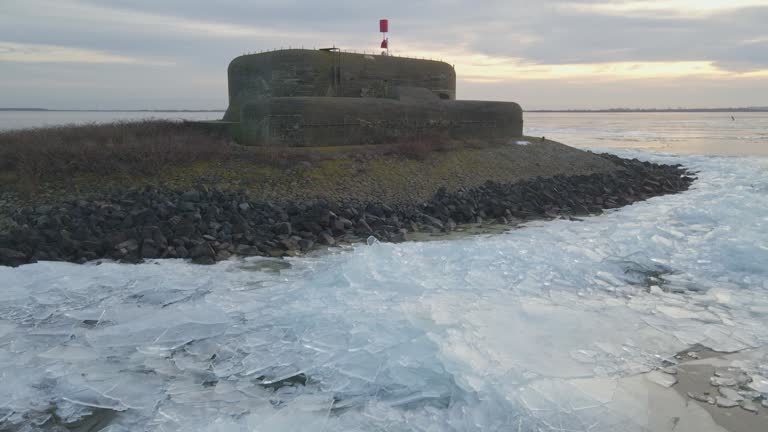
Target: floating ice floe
662,379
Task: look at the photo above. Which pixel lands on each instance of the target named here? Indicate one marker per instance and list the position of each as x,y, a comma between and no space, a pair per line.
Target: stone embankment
208,225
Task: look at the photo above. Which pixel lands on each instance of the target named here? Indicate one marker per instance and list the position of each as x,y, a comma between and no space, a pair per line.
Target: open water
680,133
532,329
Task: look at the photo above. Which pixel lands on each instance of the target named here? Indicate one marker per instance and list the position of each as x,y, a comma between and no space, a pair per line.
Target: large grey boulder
13,258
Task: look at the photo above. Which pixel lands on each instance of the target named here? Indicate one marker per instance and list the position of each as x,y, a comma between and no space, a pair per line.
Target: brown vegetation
45,166
143,147
422,146
147,147
41,165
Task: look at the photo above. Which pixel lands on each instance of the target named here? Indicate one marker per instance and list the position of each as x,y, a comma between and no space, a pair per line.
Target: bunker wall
310,73
312,121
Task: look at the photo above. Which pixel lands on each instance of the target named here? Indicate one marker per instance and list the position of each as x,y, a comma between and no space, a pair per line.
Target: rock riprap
207,225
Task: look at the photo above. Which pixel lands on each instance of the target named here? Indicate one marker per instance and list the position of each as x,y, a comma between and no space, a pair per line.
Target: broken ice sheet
109,388
170,328
361,364
730,394
553,401
6,327
723,402
304,410
661,378
94,399
165,297
759,383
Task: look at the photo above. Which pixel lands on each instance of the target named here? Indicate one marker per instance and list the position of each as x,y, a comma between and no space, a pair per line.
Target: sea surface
680,133
541,328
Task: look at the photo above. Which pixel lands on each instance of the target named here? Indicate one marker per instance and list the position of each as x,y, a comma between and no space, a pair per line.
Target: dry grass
146,147
130,150
89,161
143,147
421,147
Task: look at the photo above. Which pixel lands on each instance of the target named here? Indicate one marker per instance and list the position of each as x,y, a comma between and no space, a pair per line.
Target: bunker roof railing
364,52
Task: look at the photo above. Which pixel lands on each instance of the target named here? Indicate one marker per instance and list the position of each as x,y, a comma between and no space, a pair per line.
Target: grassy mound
46,164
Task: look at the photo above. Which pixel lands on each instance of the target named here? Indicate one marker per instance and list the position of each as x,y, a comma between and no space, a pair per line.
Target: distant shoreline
681,110
575,111
103,110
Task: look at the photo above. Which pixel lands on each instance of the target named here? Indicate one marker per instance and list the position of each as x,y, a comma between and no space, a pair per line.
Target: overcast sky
131,54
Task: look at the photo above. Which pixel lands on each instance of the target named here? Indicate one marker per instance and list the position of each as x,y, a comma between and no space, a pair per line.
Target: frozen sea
549,327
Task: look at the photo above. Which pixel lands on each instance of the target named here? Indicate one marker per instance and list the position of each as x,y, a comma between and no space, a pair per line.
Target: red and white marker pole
384,29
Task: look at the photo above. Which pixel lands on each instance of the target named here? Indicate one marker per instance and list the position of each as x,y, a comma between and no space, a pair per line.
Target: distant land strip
110,110
653,110
609,110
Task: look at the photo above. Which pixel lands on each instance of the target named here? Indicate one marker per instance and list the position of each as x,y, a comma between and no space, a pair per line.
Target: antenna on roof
384,29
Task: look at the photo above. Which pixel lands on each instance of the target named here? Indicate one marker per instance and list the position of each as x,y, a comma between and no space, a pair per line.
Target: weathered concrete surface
318,121
296,72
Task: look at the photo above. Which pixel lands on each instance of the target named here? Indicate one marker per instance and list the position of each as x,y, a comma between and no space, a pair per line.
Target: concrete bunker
300,97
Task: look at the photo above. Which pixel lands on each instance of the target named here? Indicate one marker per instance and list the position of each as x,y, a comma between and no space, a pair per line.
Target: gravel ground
397,181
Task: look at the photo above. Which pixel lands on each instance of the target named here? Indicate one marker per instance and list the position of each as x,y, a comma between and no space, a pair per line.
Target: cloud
689,8
500,44
579,94
110,86
36,53
568,36
103,16
551,32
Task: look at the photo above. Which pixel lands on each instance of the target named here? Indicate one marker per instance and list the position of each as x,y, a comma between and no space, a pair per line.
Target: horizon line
554,110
